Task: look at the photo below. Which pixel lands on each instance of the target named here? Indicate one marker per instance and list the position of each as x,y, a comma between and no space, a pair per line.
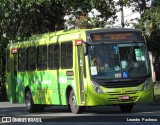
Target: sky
129,17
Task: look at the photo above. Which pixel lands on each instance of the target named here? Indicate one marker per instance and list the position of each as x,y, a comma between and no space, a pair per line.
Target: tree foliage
150,25
79,9
137,5
22,18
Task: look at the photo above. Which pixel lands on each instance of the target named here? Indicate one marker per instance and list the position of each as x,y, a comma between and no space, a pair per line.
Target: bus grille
120,84
119,92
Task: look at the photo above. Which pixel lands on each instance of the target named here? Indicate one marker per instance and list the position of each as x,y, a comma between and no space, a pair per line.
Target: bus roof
52,34
114,30
45,36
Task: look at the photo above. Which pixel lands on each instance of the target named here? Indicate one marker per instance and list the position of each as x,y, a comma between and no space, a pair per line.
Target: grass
157,93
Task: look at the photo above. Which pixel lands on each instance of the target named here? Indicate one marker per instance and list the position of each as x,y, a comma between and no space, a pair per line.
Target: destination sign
116,36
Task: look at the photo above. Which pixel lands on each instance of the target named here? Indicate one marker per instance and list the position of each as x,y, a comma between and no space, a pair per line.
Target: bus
80,68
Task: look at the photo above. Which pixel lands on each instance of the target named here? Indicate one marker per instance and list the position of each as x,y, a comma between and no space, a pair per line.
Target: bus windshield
118,60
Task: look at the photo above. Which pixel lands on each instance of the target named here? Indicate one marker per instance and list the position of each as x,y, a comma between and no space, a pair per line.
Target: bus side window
8,61
53,56
31,59
42,57
66,55
21,59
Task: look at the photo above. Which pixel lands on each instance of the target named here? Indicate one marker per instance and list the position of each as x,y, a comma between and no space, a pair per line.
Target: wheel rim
73,100
28,103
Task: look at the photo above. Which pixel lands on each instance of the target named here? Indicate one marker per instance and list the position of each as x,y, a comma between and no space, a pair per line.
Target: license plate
123,97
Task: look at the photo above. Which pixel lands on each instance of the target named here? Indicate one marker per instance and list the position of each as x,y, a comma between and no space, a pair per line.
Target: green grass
157,93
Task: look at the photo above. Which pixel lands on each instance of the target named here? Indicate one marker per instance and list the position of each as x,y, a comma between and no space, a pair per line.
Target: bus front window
109,61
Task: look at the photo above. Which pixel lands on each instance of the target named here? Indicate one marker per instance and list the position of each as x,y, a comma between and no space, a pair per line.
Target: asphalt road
141,114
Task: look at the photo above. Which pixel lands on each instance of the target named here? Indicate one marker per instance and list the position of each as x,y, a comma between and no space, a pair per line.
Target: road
103,114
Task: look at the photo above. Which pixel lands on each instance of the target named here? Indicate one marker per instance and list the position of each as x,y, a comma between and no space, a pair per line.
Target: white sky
129,16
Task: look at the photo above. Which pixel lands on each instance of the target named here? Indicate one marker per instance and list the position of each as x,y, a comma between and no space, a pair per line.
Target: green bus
80,68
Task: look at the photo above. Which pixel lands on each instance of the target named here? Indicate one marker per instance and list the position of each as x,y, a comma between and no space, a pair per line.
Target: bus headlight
146,84
96,87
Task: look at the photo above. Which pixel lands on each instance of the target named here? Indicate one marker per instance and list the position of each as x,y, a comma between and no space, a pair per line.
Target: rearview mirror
85,49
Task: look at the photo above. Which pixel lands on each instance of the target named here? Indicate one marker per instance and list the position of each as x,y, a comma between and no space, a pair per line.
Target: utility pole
122,13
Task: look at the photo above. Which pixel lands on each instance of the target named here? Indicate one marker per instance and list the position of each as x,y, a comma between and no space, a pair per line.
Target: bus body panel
49,87
111,96
9,87
11,79
43,86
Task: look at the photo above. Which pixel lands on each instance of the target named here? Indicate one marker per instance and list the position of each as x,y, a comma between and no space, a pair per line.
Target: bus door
81,72
14,74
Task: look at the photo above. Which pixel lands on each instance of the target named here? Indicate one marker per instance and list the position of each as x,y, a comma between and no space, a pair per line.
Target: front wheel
126,107
29,102
73,104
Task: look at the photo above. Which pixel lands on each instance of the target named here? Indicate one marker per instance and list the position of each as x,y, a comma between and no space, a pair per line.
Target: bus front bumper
117,96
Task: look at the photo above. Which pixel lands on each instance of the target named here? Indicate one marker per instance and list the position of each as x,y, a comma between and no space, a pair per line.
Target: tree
78,10
137,6
150,24
22,18
19,19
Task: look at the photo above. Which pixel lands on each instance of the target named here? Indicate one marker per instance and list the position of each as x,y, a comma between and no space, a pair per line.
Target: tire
73,106
69,108
126,107
31,108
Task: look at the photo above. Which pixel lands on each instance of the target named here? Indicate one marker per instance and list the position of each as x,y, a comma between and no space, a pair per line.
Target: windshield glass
108,61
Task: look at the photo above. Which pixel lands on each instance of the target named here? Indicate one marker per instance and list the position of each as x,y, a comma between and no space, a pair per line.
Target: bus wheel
73,104
69,108
29,102
126,107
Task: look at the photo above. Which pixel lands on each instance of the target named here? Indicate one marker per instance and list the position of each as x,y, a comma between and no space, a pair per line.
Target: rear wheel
73,104
69,108
29,102
126,107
